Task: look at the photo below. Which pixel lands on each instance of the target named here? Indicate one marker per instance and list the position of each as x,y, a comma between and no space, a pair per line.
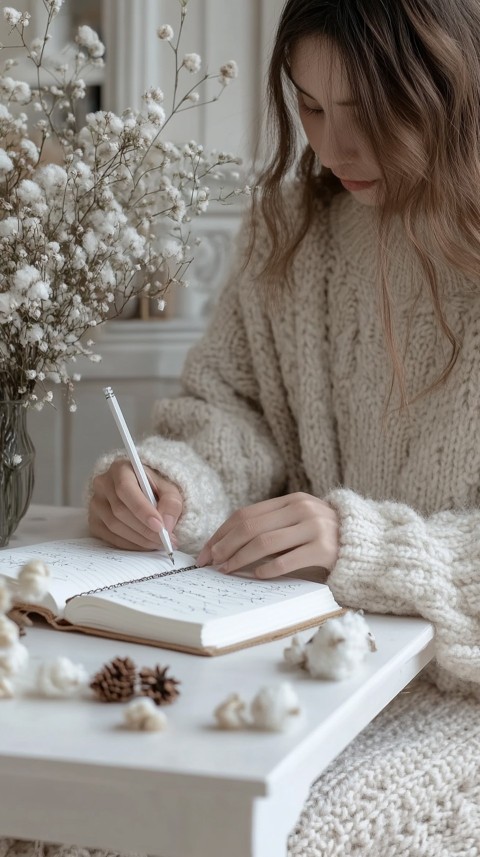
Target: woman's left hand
296,530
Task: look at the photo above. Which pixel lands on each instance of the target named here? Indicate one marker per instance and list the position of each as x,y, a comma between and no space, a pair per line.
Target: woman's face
327,114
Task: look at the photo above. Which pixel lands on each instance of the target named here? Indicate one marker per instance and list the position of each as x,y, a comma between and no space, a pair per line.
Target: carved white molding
211,264
134,56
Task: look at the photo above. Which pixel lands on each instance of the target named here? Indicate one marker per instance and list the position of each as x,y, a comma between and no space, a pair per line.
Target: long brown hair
413,67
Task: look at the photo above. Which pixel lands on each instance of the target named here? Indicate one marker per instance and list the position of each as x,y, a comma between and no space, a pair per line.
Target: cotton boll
339,647
143,715
9,632
294,654
6,688
230,714
13,660
61,677
33,581
273,706
5,596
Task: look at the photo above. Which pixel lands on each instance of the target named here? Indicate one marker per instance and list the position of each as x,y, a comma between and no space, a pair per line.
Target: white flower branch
80,237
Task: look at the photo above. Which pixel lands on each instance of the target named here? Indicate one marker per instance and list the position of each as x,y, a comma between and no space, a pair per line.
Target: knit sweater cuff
206,504
392,560
379,566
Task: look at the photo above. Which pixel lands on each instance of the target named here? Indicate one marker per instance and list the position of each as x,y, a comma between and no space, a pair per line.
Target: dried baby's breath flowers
109,220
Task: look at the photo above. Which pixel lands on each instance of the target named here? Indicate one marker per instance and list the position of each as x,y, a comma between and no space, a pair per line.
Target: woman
330,415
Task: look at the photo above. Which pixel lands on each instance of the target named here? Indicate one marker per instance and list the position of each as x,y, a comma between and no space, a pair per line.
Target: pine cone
116,681
157,685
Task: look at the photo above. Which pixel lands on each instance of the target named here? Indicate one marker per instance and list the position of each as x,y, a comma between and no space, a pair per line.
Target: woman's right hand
120,514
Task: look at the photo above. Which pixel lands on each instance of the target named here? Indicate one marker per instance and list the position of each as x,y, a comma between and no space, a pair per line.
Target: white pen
136,463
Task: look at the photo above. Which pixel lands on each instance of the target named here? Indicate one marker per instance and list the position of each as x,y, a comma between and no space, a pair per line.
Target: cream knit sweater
292,400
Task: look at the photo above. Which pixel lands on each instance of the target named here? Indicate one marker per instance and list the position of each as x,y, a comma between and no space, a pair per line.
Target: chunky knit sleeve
392,560
213,441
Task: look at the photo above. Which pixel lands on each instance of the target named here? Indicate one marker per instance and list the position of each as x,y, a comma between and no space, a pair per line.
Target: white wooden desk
69,773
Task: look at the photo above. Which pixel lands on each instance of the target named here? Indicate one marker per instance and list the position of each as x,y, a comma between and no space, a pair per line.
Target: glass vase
17,456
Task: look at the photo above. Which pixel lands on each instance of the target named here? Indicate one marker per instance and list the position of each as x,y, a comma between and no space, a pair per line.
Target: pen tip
172,559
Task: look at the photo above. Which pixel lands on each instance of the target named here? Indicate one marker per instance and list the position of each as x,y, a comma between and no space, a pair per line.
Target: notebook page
77,565
197,596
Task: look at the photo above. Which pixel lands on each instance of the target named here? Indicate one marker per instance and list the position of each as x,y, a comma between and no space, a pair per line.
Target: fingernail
204,558
169,522
155,524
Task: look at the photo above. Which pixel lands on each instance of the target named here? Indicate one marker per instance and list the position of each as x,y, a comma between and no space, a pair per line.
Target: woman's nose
334,152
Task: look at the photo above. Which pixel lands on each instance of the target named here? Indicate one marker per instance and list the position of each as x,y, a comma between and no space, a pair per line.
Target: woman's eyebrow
346,103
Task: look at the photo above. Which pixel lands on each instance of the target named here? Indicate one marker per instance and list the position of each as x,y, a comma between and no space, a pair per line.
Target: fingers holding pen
112,527
120,512
169,505
169,499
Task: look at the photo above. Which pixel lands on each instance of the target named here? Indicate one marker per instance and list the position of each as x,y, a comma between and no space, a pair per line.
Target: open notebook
140,597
